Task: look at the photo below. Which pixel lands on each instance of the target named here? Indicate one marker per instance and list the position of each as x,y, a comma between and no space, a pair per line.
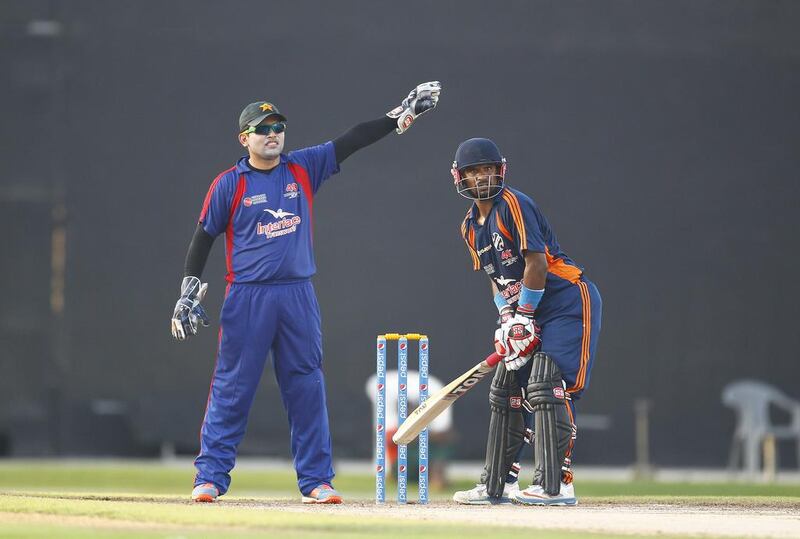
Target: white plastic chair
751,400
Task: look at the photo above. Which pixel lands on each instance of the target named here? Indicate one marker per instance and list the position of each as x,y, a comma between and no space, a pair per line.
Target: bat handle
493,359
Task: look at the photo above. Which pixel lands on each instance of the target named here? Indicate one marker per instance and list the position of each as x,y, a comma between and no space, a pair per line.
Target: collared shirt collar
243,168
474,214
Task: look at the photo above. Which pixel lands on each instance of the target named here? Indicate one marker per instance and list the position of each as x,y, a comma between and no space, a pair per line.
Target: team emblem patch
497,241
292,191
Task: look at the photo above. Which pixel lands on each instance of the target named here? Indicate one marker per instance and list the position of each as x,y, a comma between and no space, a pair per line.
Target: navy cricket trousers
256,319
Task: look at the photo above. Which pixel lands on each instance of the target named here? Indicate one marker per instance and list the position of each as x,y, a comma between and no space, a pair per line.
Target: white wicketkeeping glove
421,99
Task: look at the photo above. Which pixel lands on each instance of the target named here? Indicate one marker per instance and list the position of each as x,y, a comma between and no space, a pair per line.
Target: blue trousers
256,319
570,324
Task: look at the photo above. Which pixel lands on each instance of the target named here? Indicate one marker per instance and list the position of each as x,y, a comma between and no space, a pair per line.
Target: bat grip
493,359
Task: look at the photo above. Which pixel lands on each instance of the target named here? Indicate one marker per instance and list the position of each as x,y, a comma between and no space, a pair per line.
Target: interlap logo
286,224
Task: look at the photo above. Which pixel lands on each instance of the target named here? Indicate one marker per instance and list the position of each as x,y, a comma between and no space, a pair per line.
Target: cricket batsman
264,206
550,323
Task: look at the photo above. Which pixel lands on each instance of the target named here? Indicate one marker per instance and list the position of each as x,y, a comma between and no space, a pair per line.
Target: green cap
254,114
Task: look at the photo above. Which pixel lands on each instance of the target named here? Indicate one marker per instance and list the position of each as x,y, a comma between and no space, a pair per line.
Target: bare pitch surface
175,516
51,499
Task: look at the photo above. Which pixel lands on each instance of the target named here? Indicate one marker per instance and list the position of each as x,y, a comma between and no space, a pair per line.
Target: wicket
402,412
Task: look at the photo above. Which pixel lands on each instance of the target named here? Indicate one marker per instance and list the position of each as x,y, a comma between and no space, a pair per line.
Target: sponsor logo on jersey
255,199
291,191
502,281
510,261
286,224
483,250
497,240
488,268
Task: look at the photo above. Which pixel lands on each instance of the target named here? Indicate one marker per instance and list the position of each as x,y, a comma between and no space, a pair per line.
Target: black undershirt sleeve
199,249
362,135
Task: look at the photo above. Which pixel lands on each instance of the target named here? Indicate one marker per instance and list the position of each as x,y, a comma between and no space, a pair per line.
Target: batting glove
520,337
188,309
421,99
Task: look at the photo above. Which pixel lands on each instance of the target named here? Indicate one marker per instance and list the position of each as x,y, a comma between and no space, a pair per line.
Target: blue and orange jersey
515,225
267,216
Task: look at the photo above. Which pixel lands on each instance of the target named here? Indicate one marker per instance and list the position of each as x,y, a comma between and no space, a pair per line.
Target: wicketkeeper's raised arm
419,101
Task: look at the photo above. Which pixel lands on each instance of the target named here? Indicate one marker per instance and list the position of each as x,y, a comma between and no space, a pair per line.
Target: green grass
139,477
48,499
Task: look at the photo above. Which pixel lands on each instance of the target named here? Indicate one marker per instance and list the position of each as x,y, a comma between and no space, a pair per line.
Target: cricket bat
442,400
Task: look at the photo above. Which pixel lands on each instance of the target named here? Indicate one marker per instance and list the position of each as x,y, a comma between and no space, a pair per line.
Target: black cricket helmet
478,151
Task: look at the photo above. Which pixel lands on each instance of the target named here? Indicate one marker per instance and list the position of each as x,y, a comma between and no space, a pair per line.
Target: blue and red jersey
515,225
267,217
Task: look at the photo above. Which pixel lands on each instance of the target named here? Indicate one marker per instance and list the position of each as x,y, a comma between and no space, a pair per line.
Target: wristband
500,302
528,301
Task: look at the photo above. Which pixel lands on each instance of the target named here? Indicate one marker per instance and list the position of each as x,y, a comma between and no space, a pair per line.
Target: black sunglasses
277,127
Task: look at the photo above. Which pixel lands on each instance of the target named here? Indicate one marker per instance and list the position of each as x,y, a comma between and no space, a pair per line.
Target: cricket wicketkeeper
264,207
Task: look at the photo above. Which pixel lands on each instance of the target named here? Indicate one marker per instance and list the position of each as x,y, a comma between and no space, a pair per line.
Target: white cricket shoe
535,495
478,495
